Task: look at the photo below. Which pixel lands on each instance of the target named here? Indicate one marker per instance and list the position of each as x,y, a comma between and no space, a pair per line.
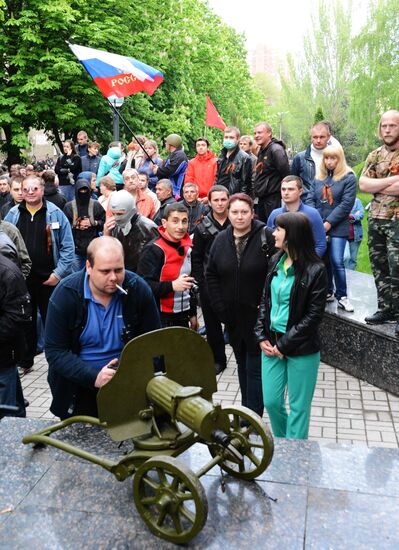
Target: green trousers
299,374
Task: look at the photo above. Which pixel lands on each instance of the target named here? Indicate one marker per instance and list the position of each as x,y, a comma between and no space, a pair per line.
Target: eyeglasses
31,190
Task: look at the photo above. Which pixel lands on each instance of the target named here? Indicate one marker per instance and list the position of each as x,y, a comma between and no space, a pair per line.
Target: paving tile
323,420
389,437
355,404
329,432
328,411
344,409
357,424
382,444
379,424
373,435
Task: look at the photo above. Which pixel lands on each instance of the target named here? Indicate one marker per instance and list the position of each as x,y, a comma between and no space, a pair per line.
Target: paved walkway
344,409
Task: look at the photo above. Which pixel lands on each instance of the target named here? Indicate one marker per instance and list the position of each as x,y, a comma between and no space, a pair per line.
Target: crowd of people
101,249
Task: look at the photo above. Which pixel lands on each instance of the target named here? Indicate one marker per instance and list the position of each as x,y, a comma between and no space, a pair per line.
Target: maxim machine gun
160,399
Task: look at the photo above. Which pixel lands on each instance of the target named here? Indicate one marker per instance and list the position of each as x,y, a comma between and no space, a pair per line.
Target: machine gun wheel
251,438
170,499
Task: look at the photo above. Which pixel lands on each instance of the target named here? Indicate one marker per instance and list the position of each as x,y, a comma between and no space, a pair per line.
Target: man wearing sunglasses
49,241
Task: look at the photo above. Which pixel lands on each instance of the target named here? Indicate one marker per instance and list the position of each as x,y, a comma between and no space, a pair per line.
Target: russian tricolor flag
117,75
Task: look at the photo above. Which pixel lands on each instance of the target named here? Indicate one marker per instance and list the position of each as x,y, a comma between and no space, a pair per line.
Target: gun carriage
160,400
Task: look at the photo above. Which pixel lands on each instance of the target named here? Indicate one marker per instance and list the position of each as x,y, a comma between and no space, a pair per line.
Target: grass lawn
363,262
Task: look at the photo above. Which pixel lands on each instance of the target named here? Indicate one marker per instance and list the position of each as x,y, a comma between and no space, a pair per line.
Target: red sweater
201,170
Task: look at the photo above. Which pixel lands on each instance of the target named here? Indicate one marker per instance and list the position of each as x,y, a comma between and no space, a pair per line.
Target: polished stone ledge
368,352
312,496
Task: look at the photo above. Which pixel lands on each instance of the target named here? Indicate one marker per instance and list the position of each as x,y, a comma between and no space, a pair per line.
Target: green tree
319,116
323,74
44,86
375,84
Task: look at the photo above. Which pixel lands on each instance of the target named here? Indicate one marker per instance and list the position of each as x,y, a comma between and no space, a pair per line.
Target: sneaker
330,297
23,371
380,317
345,304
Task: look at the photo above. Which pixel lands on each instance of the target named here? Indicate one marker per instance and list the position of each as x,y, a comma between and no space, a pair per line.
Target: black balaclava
82,196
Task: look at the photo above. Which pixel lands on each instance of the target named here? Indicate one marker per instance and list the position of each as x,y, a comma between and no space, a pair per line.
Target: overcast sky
280,23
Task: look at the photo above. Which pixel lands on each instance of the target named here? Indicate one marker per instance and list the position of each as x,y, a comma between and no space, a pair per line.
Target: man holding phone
92,315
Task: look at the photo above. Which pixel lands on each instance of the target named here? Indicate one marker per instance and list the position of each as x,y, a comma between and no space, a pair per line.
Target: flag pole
120,117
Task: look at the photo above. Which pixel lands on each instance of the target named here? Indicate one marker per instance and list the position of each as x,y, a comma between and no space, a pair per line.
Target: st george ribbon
116,75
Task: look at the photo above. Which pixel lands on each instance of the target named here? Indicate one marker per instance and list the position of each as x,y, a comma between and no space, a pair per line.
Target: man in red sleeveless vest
165,264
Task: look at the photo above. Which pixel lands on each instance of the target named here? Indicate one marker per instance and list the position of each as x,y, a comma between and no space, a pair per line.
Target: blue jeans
79,263
40,332
336,268
68,191
11,391
351,252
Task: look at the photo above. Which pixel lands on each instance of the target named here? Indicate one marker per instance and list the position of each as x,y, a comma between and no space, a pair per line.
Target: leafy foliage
44,86
352,78
321,77
375,80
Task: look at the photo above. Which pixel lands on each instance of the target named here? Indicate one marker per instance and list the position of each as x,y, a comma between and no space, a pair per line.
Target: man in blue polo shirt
92,314
291,191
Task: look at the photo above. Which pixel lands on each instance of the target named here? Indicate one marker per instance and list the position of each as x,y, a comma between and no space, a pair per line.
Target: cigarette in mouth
121,289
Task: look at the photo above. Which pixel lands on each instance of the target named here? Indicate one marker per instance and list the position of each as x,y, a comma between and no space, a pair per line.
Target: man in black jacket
5,196
196,210
51,191
163,191
83,143
271,168
16,196
91,315
204,235
234,166
15,311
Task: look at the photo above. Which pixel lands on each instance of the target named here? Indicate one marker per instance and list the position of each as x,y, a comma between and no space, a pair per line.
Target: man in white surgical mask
234,166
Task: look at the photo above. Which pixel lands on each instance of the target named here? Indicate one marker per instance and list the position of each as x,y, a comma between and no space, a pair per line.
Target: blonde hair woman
151,148
333,195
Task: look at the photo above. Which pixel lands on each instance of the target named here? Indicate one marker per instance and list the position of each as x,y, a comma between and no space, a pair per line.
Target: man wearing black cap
175,165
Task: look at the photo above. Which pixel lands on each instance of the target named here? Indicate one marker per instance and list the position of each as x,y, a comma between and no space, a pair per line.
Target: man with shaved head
380,177
272,166
92,314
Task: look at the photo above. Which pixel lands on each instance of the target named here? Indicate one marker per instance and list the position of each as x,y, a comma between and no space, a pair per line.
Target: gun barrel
185,404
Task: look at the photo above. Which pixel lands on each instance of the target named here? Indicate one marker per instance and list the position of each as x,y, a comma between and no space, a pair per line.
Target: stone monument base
368,352
313,496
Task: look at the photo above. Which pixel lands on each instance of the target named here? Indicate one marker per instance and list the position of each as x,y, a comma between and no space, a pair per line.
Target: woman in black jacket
67,167
237,267
289,315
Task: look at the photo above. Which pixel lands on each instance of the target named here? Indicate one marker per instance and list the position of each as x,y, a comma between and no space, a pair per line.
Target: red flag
212,117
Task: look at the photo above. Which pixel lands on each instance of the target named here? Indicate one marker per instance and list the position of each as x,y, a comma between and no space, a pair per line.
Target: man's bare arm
391,189
376,185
